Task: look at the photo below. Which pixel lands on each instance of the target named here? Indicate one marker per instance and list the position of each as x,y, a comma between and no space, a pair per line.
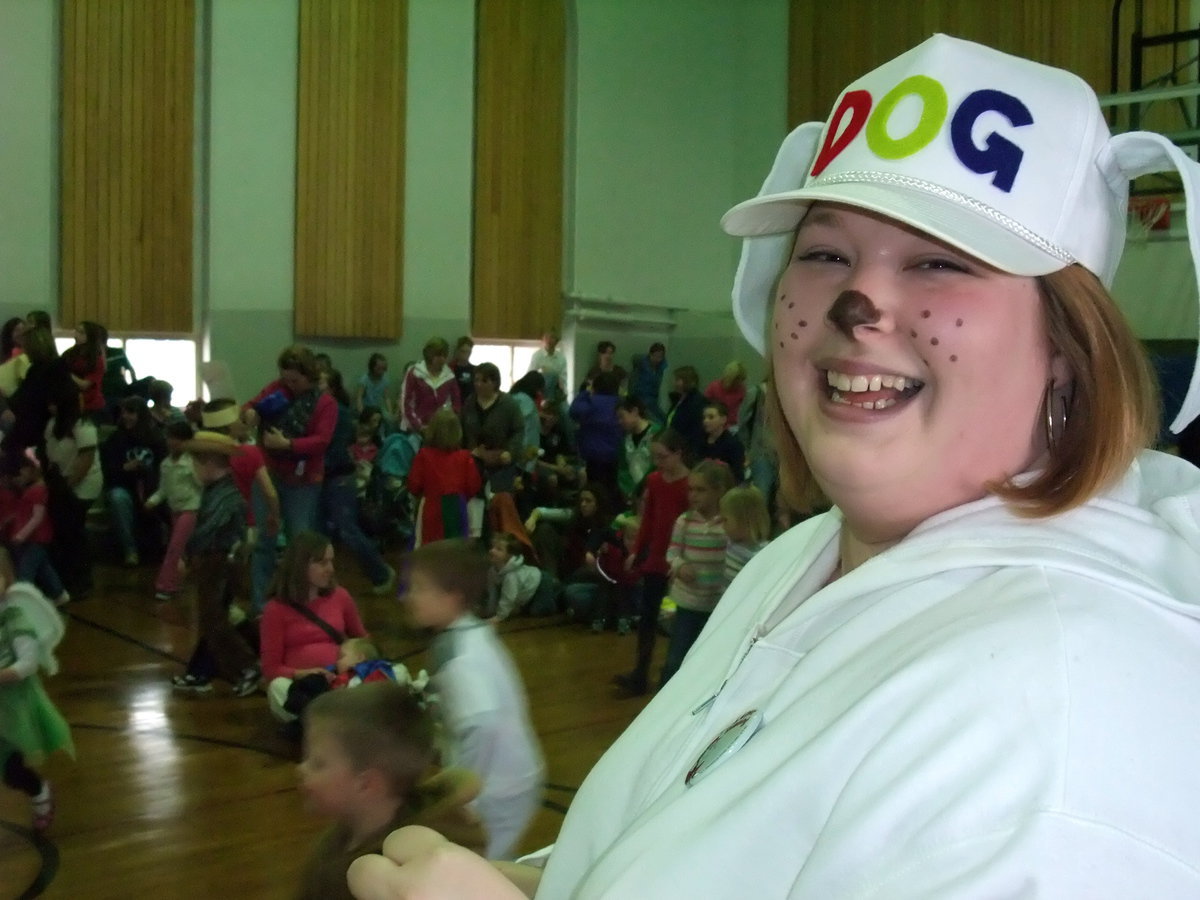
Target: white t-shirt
485,711
64,453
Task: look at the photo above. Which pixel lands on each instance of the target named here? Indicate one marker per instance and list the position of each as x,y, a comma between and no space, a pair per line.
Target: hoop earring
1053,429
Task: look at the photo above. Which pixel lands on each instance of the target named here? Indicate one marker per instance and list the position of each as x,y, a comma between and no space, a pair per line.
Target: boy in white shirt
481,699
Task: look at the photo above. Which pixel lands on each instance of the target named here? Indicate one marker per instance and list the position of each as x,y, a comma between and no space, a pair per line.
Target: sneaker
388,585
624,626
43,807
62,599
163,596
237,615
248,683
194,684
131,558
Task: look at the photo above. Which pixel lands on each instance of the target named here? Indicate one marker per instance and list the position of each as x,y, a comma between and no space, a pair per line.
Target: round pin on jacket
724,745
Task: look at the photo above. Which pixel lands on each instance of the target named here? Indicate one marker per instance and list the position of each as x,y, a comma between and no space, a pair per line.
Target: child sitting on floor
367,755
514,586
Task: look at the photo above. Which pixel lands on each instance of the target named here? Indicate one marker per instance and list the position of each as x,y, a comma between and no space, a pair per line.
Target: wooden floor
195,797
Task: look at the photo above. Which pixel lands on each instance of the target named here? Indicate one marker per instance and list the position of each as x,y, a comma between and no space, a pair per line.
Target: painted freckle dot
913,333
933,341
791,305
803,324
925,314
781,345
958,323
953,358
794,335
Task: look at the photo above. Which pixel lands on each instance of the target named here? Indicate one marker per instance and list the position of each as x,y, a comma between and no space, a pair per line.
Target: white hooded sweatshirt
994,707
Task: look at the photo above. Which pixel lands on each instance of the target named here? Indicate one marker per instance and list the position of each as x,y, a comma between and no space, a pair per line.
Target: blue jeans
262,561
33,565
339,507
298,504
120,512
688,625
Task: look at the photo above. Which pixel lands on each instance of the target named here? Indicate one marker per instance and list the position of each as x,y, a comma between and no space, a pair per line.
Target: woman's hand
250,416
419,864
300,673
273,439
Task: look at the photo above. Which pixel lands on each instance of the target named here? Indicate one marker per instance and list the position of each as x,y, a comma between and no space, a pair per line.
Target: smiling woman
935,689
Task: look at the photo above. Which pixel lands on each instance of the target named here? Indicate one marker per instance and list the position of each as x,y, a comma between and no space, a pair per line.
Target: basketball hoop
1147,214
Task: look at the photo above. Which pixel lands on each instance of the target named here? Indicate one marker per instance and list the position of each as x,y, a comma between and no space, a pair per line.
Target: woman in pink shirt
306,619
730,389
295,422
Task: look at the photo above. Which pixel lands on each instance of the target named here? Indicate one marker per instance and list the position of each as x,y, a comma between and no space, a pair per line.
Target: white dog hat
1006,159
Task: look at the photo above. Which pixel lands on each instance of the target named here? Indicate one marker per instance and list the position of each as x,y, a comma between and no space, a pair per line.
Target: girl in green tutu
30,725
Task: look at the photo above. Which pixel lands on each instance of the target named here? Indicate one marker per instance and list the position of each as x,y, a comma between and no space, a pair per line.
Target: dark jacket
599,434
124,445
686,416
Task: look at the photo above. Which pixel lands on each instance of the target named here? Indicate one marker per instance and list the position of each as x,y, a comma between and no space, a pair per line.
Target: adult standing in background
686,415
464,370
86,362
296,422
29,405
429,385
606,354
493,427
646,381
551,362
339,491
598,433
730,389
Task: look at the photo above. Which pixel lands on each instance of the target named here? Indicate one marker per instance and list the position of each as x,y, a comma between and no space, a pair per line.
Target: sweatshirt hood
1143,533
434,381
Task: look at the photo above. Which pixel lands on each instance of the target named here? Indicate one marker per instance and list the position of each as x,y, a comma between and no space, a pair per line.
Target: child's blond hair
362,647
715,473
444,431
746,507
380,725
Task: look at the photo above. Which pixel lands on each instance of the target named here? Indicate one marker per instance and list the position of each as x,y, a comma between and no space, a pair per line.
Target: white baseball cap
1006,159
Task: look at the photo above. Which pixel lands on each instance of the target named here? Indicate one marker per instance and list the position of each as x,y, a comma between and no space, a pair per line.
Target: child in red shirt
665,500
30,531
443,478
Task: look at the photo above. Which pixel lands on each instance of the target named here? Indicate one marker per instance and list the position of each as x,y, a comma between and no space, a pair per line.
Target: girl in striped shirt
696,558
747,525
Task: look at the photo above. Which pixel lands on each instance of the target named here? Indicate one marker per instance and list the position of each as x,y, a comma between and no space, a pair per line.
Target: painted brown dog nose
851,309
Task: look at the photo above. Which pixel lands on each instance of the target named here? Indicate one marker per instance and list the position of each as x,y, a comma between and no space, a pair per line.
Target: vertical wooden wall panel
517,249
350,168
128,85
833,43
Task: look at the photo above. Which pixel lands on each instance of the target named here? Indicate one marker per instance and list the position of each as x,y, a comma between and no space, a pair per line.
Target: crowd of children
522,504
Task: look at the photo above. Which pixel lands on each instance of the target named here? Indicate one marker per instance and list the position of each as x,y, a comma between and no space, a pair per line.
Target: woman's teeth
862,383
843,385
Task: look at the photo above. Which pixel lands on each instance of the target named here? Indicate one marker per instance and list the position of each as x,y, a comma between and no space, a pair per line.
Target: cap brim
975,232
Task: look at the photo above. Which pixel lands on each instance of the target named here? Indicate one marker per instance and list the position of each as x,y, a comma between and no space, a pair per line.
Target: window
511,359
171,360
